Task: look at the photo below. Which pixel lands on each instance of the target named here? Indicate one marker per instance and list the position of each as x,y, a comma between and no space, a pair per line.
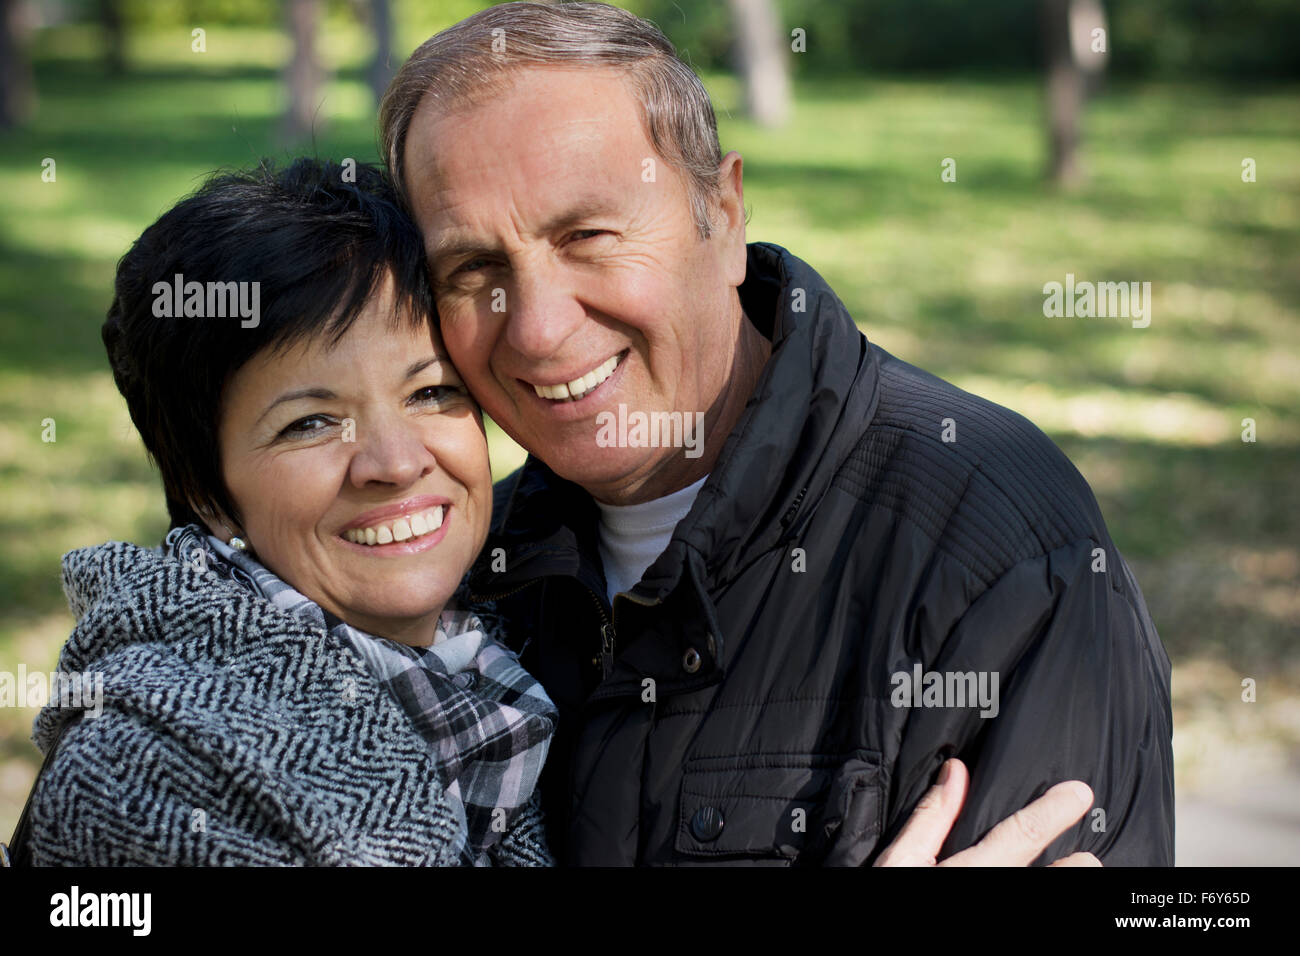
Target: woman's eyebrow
312,392
316,391
417,367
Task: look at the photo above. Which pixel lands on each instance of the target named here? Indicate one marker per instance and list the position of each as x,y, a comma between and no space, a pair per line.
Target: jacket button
691,660
707,824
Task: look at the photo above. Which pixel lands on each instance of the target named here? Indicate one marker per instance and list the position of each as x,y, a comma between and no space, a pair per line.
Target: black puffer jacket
741,703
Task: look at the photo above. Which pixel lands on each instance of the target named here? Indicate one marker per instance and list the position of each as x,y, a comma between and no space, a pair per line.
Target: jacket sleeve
123,790
524,843
91,807
1084,693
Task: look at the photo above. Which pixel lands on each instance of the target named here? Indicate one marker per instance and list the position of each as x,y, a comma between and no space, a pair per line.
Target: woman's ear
218,525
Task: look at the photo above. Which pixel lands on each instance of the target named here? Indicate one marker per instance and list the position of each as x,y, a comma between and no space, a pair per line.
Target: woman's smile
407,527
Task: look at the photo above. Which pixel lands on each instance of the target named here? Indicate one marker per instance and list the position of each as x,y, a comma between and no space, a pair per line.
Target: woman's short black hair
317,237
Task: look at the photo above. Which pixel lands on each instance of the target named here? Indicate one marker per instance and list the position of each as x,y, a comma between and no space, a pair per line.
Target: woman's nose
390,451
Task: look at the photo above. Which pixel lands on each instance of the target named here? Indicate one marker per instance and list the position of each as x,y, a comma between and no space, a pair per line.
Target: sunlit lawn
946,275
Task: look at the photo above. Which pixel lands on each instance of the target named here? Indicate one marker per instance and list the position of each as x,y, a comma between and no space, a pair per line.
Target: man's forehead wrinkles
517,220
542,160
540,137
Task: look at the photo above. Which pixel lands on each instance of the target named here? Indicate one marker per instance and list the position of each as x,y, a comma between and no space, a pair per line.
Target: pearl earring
238,543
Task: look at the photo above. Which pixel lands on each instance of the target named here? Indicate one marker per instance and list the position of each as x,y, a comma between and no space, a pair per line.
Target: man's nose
542,310
390,450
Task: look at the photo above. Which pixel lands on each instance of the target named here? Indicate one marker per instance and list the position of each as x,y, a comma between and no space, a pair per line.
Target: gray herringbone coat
231,733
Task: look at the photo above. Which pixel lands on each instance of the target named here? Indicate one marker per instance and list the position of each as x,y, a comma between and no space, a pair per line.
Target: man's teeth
579,387
403,529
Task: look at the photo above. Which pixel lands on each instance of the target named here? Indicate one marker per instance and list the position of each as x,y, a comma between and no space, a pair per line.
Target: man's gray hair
468,61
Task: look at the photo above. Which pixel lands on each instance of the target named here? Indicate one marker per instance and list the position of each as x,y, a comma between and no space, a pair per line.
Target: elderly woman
290,678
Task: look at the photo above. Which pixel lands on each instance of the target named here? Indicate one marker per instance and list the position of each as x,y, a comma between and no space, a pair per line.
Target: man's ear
729,221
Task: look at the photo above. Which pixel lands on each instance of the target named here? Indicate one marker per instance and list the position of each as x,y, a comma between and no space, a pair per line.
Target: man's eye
306,427
470,265
586,234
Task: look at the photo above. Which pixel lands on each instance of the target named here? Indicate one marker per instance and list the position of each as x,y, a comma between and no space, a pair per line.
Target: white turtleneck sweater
633,536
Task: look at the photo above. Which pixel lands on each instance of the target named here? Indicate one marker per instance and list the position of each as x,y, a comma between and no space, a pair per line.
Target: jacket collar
781,456
776,464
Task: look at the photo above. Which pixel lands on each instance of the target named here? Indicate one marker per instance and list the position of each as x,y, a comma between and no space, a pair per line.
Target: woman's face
374,440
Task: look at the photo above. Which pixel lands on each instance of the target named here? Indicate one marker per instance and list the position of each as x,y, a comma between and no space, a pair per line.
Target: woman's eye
437,394
305,427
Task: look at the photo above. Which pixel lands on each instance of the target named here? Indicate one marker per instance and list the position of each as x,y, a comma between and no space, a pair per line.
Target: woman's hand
1016,841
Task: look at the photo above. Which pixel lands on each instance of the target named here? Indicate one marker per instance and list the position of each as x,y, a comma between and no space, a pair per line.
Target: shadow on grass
836,197
50,311
989,335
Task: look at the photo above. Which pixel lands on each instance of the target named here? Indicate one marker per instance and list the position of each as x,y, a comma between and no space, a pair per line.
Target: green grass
948,276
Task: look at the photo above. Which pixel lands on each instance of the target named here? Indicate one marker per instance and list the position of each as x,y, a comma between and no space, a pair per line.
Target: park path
1254,824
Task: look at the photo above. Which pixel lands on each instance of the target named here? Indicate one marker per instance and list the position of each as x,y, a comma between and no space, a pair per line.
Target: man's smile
581,386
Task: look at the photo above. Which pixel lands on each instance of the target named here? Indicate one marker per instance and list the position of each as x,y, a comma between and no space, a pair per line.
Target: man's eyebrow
453,246
317,391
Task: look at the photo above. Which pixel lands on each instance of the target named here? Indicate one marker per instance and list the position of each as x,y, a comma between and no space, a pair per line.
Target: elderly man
774,577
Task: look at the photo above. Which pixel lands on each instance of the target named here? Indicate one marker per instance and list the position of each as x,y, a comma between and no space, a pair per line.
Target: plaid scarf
487,719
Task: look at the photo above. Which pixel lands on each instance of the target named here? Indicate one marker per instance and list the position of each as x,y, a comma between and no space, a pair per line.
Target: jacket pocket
781,809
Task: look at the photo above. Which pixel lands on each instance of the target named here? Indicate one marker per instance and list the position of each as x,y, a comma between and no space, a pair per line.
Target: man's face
569,272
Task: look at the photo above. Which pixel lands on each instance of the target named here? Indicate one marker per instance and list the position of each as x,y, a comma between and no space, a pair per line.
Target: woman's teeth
580,387
403,529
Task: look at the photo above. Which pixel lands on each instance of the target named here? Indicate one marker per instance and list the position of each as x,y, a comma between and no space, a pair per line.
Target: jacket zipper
605,659
607,638
794,507
503,594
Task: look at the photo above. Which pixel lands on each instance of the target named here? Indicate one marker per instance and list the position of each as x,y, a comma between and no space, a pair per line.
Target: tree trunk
110,18
17,90
761,61
1069,41
304,77
381,67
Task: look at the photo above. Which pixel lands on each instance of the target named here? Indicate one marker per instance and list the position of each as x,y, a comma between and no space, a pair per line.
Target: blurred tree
110,18
760,54
1160,38
380,15
17,90
305,76
1074,37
